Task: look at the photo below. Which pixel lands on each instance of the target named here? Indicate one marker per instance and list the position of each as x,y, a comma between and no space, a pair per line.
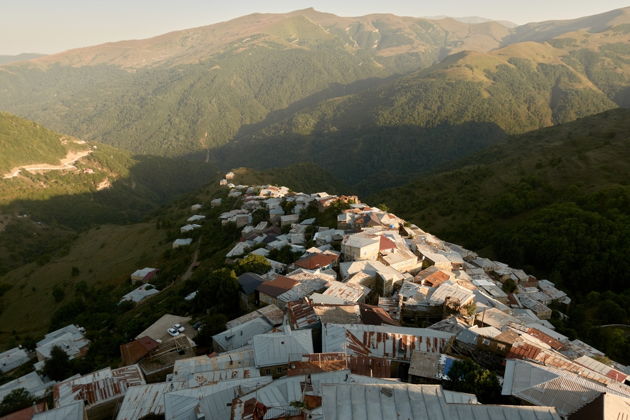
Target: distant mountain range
474,20
278,89
6,59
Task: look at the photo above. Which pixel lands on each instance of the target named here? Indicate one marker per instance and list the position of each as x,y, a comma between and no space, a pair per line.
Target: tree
211,325
29,343
16,400
58,293
58,366
253,264
467,376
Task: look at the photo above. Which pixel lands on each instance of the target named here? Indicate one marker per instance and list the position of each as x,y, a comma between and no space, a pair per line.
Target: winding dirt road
64,164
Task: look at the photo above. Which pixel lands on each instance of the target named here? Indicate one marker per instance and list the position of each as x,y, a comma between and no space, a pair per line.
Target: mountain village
367,322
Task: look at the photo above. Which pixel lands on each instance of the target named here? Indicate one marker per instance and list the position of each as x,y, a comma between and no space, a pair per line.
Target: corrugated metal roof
242,335
223,361
406,401
377,367
302,289
301,314
281,348
544,385
98,387
454,291
601,368
73,411
382,341
146,399
278,395
184,404
349,292
13,358
272,313
195,380
32,382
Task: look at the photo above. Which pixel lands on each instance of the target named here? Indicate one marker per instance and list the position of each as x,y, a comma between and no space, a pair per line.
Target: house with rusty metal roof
135,350
376,367
269,291
396,343
347,292
302,315
321,260
101,391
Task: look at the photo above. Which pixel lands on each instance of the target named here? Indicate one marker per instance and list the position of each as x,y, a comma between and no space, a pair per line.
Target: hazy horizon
35,26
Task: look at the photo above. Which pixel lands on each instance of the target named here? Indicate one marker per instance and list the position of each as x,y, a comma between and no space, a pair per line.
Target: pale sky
48,26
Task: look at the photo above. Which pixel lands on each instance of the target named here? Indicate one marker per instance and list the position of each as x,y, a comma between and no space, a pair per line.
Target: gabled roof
386,243
301,314
545,385
271,313
373,315
281,348
241,335
315,261
98,387
407,401
249,282
278,286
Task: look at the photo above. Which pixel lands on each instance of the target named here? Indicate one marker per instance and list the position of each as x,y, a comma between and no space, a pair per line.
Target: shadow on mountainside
367,159
53,220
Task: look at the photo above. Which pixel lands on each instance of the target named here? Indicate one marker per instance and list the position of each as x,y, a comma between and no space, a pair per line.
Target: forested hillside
417,122
43,205
194,89
387,96
555,201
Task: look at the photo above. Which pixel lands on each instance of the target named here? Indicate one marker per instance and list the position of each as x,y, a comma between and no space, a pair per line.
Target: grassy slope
24,142
104,256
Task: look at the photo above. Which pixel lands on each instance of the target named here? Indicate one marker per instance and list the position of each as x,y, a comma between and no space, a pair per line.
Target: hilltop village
359,316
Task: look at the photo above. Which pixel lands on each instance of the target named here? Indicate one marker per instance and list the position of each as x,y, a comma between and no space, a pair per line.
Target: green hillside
44,205
194,89
371,100
23,142
304,177
553,200
417,122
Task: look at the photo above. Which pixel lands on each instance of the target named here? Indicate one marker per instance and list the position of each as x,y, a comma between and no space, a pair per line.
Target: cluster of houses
365,322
